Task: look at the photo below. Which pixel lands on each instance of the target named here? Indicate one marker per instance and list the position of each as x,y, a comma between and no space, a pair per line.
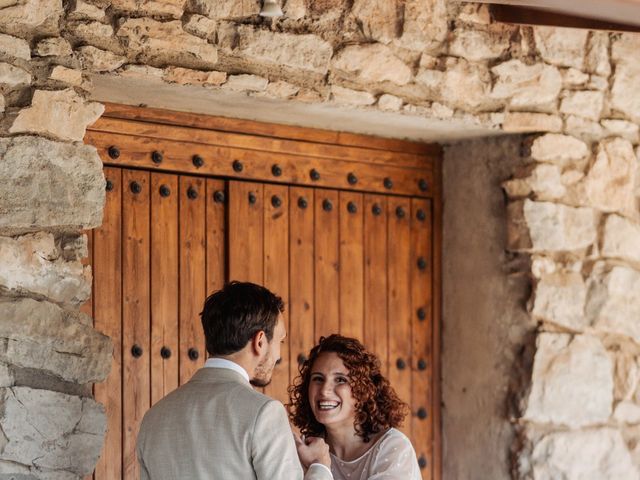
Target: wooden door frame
341,151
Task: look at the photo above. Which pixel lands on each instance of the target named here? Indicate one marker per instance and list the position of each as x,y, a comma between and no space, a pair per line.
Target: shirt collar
216,362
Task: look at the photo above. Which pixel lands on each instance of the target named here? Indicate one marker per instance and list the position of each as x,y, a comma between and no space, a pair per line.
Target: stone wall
572,214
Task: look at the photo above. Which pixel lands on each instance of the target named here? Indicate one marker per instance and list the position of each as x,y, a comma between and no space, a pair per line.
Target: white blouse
392,457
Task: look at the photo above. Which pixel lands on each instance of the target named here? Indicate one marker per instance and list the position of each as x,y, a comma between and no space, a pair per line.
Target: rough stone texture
588,454
224,9
613,305
558,149
587,104
390,102
97,60
624,93
251,83
541,182
302,53
164,8
621,239
479,45
379,19
425,25
85,11
621,128
281,89
162,43
13,76
527,86
522,122
371,63
201,26
546,226
98,34
53,47
51,430
15,47
41,335
67,75
564,47
33,264
559,299
53,185
185,76
22,18
597,60
61,114
568,372
346,96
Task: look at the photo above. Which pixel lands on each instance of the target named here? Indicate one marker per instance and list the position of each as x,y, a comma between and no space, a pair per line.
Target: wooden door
355,260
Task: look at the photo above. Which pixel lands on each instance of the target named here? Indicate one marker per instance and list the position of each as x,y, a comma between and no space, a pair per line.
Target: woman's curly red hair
378,407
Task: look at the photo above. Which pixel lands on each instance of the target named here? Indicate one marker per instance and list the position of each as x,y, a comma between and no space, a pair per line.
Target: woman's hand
312,450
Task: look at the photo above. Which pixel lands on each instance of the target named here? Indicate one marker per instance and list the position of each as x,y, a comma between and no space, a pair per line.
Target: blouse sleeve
395,460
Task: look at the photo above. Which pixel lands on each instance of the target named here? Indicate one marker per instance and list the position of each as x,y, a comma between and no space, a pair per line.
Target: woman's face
330,395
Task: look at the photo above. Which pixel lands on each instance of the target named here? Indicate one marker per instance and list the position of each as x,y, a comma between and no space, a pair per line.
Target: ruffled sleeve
395,459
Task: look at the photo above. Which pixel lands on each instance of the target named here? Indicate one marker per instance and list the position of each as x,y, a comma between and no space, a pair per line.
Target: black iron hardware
400,212
198,161
421,215
135,187
423,185
352,207
422,462
114,152
352,179
422,263
314,174
164,191
156,157
276,202
192,193
219,196
252,198
301,359
276,170
237,166
109,186
400,363
376,209
165,352
422,364
327,206
422,413
136,351
193,354
422,314
302,203
388,183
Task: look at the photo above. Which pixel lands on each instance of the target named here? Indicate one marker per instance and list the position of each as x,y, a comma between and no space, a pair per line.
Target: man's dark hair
233,315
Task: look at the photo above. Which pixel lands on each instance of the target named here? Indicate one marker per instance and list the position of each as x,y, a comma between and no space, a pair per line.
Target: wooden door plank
107,300
246,232
276,274
164,284
421,326
399,298
327,279
192,211
217,198
376,327
135,332
301,268
437,321
351,265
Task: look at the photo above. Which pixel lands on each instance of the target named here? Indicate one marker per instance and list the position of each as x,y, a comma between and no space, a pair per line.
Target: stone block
572,77
13,77
624,48
550,227
558,149
526,122
567,372
625,92
97,60
6,377
540,181
390,103
346,96
621,128
246,83
52,185
51,430
281,89
274,51
93,33
627,412
86,11
379,19
186,76
425,26
587,104
295,9
559,299
372,63
67,75
62,114
588,131
597,59
53,47
160,44
150,8
29,17
224,9
33,265
621,239
201,26
610,181
590,454
15,47
626,375
565,47
613,302
479,45
527,86
40,335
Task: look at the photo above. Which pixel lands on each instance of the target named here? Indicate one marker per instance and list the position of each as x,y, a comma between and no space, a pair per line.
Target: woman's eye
341,380
316,379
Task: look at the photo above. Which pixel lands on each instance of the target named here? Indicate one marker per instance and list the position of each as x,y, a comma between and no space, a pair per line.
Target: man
217,426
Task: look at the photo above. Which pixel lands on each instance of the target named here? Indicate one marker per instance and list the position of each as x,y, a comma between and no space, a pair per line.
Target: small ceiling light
271,9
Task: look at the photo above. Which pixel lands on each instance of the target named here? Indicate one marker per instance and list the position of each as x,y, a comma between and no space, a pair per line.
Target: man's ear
259,343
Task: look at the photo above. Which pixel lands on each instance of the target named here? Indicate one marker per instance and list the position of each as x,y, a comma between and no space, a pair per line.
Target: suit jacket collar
218,375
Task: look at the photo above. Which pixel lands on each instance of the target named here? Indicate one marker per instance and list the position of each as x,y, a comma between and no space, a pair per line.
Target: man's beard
262,376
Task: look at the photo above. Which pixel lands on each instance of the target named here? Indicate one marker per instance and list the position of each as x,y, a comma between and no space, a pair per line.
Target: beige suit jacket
218,427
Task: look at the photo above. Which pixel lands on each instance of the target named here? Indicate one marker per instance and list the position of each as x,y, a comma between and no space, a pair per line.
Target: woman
341,396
